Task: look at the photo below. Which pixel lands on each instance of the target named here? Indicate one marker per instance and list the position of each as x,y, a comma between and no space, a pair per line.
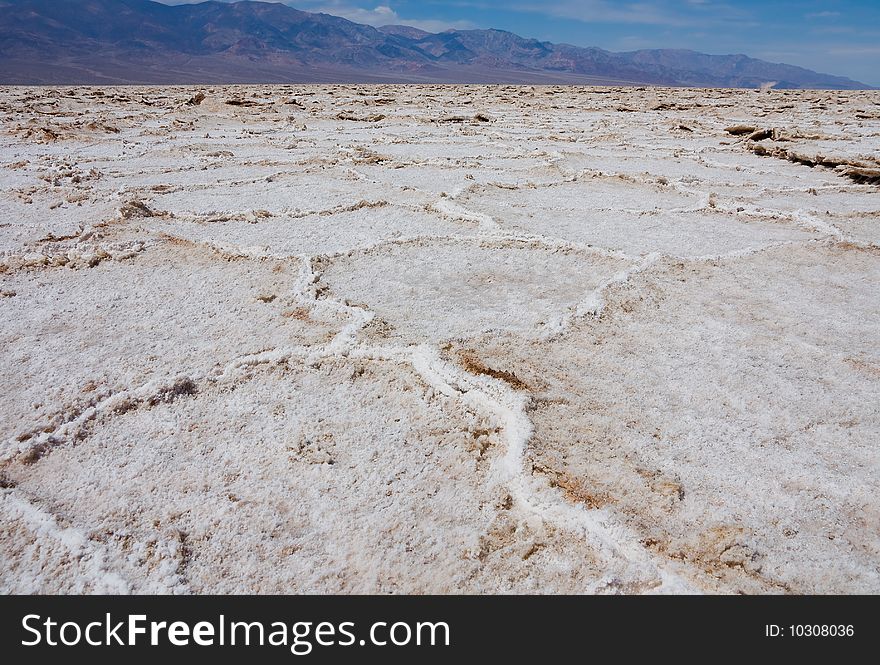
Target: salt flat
406,339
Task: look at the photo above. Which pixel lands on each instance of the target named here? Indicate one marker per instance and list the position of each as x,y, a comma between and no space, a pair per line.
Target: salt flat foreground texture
439,339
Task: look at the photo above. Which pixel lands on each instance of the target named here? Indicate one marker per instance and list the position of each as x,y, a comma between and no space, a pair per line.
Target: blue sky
832,36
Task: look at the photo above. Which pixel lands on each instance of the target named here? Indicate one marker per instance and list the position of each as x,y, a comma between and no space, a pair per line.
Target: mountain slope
139,41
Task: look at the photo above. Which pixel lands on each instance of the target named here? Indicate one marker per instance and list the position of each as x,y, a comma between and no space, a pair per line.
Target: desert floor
439,339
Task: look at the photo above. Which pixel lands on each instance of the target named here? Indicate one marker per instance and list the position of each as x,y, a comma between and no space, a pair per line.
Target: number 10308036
809,630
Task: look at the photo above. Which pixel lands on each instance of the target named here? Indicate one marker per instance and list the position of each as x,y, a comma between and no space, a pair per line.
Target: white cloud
377,16
385,15
823,15
380,15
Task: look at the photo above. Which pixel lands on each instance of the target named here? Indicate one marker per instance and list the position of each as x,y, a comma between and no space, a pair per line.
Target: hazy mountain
138,41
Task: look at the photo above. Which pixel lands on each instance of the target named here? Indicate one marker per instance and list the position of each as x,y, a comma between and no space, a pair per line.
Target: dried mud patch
66,330
440,290
383,492
682,407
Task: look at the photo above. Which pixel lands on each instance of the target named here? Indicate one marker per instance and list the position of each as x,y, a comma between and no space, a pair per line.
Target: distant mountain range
138,41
